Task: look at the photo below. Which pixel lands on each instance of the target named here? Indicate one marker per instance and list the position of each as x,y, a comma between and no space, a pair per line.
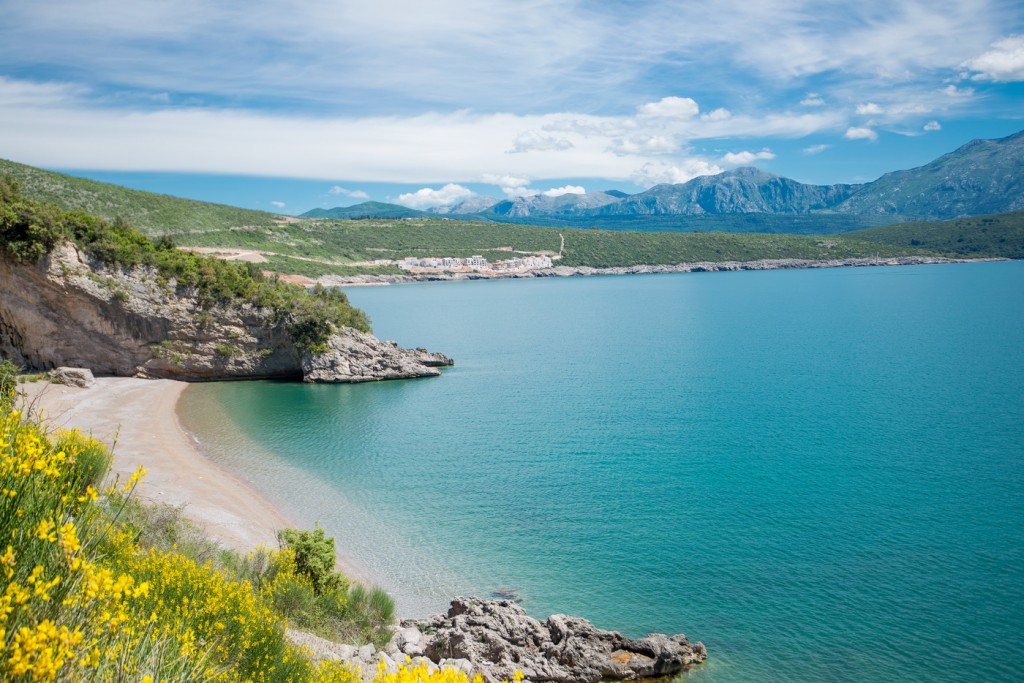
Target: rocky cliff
70,310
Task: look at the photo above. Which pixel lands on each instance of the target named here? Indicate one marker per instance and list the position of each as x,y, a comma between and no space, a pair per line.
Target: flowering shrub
421,673
80,601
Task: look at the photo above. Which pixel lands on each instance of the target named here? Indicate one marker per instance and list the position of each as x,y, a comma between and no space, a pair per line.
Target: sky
287,105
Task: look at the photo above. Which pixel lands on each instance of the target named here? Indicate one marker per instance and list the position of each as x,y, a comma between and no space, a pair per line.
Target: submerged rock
498,638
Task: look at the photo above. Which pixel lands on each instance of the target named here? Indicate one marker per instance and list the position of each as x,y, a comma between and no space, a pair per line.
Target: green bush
314,556
8,383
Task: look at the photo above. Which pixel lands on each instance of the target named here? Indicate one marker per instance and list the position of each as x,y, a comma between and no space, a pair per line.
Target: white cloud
932,125
643,144
512,186
815,149
813,100
855,133
953,91
720,114
669,107
354,194
744,158
655,173
532,141
1003,63
868,109
559,191
279,205
427,198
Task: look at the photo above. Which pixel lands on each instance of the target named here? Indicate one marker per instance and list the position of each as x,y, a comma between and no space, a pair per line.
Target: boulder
73,377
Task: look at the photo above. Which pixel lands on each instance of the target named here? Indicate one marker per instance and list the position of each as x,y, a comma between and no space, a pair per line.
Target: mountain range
981,177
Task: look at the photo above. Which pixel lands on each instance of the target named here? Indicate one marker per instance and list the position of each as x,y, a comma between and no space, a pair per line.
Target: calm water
820,474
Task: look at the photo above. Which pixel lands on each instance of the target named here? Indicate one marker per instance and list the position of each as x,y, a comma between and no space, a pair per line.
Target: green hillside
152,214
1000,234
366,240
776,224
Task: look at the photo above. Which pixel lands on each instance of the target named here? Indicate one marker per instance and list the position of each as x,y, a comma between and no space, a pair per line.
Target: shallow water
816,472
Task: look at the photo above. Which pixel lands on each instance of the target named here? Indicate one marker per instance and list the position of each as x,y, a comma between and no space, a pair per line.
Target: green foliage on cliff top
150,213
30,230
1000,234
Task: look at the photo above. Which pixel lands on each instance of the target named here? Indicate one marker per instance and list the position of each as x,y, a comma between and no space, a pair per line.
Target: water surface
816,472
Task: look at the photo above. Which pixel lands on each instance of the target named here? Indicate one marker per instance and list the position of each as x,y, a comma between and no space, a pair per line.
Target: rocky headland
70,309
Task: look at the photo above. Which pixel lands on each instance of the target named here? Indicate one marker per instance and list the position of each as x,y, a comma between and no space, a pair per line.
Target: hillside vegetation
366,240
29,231
99,587
1000,235
152,214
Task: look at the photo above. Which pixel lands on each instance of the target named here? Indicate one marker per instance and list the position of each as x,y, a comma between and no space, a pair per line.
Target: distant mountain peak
981,177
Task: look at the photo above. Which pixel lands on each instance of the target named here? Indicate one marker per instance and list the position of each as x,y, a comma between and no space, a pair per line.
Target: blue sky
288,105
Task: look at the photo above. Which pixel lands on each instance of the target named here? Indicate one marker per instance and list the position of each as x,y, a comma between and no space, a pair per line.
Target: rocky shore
70,310
496,638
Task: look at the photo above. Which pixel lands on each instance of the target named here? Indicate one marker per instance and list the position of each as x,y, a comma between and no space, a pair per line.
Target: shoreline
138,420
642,269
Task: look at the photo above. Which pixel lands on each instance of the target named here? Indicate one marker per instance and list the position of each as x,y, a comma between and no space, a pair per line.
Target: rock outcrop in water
498,637
70,310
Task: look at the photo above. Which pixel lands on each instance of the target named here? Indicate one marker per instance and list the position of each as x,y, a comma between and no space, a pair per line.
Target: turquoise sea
819,473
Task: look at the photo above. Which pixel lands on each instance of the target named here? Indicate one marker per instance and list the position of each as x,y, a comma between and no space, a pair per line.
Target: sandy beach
138,420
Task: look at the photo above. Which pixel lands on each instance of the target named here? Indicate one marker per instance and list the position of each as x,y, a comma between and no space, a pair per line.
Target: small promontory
82,292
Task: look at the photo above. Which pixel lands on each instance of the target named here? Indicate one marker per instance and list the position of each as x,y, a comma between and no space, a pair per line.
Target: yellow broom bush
80,601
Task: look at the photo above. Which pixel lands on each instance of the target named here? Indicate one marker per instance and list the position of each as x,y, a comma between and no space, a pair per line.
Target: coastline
643,269
138,420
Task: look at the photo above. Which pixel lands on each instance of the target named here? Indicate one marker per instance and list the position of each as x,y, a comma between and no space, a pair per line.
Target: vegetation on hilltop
30,230
607,248
153,214
997,235
824,223
366,240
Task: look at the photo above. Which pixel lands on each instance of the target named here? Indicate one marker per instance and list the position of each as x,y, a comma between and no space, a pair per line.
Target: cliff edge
71,309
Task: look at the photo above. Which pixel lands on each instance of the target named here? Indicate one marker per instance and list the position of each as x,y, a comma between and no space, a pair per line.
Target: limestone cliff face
71,311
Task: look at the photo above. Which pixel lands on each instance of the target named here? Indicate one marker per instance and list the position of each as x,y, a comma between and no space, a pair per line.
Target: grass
152,214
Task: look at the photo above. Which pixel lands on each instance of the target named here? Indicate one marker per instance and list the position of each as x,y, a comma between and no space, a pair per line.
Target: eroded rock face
498,638
71,311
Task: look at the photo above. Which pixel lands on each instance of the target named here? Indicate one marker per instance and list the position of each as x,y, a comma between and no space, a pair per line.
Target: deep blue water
819,473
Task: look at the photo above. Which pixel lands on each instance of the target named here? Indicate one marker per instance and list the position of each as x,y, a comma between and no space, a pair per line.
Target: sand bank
137,418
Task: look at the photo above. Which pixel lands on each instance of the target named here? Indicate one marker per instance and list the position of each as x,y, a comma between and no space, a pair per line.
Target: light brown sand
137,417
